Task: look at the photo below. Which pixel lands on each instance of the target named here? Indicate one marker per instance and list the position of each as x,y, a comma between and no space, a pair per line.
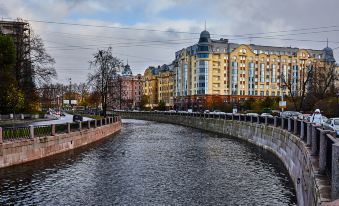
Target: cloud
73,46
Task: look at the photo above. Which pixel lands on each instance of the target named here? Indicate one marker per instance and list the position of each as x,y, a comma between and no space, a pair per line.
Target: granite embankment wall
24,150
311,188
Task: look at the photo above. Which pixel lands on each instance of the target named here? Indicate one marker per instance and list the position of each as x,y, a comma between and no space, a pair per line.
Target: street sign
282,104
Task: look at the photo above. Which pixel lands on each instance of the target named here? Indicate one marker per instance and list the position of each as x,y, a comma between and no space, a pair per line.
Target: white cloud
223,17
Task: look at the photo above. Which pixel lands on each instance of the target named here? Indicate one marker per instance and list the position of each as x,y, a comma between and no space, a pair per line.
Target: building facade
150,88
126,90
239,71
166,85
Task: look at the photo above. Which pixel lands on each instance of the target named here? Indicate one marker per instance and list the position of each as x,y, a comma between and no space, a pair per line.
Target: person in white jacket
316,117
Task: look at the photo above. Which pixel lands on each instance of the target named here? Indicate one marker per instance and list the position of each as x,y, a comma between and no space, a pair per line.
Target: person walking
316,117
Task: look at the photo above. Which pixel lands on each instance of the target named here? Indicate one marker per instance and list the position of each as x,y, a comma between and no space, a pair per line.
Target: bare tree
323,79
42,62
106,67
298,89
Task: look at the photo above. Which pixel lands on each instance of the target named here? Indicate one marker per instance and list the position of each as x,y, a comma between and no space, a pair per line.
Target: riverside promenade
23,144
309,153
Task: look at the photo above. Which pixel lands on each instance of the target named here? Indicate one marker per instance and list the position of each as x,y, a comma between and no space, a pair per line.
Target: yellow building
218,67
151,86
165,85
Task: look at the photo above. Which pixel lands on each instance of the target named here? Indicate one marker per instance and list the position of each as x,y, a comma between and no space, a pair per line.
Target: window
262,73
202,55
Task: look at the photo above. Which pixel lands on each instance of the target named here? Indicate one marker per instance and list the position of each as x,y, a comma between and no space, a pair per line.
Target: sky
149,32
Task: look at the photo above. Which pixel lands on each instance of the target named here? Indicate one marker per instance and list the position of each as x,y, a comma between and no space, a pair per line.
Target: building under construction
20,32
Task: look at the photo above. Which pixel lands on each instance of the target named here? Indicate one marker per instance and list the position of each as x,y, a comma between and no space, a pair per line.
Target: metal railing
29,132
321,142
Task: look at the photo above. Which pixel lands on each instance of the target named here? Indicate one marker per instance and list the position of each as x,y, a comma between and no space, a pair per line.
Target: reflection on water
151,163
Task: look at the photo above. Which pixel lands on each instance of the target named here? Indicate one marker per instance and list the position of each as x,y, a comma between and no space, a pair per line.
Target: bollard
258,120
314,143
89,124
289,124
105,120
80,126
302,129
68,127
335,172
232,116
1,135
31,132
95,123
323,151
295,128
53,129
100,122
251,119
275,118
309,135
282,123
265,120
239,117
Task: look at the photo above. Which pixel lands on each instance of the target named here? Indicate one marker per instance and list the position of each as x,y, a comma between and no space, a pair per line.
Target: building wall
240,72
165,87
151,87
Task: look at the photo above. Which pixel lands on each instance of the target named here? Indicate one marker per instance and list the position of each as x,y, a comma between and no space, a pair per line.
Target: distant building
166,85
126,90
218,68
151,86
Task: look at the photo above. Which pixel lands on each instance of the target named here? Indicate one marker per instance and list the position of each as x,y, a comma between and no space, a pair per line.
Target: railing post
95,123
1,141
322,151
314,143
251,118
265,120
53,129
100,122
239,117
275,118
309,134
89,124
31,132
232,116
258,120
295,128
80,126
302,129
68,127
282,122
335,171
289,124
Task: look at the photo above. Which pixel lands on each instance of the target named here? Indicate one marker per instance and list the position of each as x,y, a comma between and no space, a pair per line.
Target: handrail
323,143
29,132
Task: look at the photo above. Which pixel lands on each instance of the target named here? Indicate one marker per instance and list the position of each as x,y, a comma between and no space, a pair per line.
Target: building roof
127,71
224,46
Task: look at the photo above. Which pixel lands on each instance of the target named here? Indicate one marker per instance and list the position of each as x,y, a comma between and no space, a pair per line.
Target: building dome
127,71
328,55
205,36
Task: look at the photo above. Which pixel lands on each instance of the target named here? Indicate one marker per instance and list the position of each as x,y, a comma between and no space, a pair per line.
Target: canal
150,163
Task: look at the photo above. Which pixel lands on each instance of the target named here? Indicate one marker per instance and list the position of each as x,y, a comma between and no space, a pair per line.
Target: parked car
332,124
206,111
291,114
77,118
217,112
266,115
252,114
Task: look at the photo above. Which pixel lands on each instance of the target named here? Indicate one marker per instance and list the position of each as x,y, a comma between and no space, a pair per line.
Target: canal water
150,163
